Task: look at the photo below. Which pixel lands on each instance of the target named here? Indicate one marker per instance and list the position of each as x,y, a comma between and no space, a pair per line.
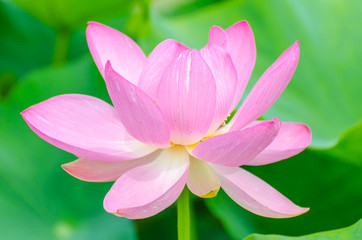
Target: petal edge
139,114
84,126
292,139
255,195
239,147
268,88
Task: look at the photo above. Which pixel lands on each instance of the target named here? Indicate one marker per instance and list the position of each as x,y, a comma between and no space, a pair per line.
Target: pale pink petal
291,140
218,36
139,114
267,90
159,59
254,194
106,43
156,206
225,76
101,171
148,189
187,96
241,44
202,180
85,126
238,147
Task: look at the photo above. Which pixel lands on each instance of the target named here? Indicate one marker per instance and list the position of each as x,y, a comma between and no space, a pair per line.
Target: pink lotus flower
163,132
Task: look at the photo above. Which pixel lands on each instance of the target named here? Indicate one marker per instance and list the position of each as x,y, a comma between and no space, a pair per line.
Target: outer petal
106,43
254,194
84,126
139,114
291,140
238,147
202,180
242,48
239,41
148,189
157,62
217,36
187,96
225,76
100,171
267,90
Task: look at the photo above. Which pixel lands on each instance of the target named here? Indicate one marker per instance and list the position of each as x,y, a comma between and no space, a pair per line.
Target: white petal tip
299,212
292,213
68,168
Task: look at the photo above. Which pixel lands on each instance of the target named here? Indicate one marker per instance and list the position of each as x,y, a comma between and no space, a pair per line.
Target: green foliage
349,146
25,44
71,14
353,232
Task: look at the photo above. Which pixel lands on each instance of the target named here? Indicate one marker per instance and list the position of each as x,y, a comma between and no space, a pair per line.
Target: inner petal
141,188
187,97
202,180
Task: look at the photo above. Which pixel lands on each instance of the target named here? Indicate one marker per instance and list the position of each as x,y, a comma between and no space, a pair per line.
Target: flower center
191,147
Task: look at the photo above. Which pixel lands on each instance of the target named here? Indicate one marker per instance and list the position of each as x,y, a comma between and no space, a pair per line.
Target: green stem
183,215
61,46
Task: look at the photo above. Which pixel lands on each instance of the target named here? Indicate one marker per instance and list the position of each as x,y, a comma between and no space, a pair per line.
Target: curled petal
139,114
187,97
291,140
85,126
101,171
239,147
202,180
254,194
225,76
239,41
241,45
108,44
217,36
148,189
156,64
267,90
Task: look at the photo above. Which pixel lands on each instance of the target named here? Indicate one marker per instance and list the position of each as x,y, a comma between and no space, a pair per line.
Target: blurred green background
43,53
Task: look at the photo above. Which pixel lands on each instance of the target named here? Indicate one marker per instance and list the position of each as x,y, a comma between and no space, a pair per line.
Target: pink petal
157,62
254,194
148,189
242,48
101,171
217,36
85,126
106,43
202,180
238,147
239,41
225,76
187,96
267,90
139,114
291,140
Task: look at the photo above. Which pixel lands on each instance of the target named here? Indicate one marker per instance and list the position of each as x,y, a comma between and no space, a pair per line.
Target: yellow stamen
210,194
